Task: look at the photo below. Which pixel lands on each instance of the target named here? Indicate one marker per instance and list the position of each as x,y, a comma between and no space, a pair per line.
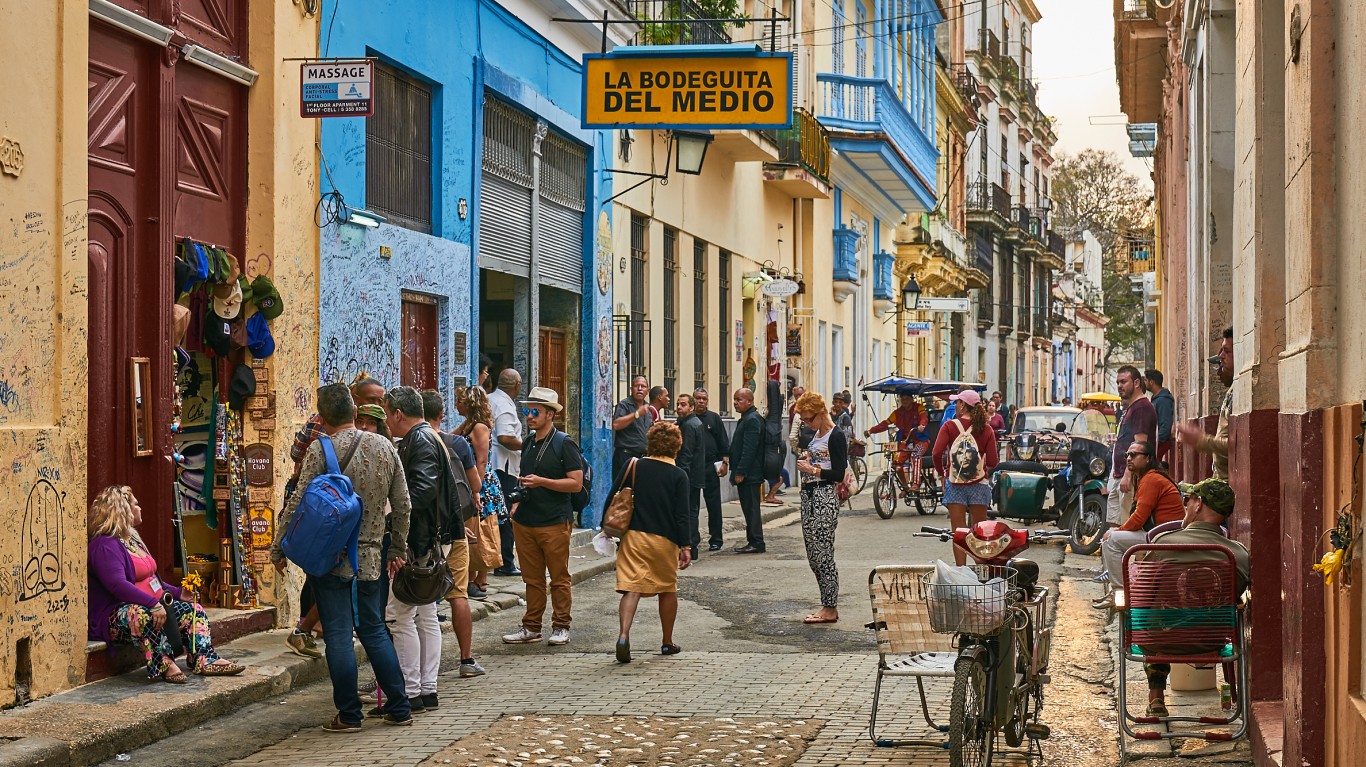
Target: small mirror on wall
140,393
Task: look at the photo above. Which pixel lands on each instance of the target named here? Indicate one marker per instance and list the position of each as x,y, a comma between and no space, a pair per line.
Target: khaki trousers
545,549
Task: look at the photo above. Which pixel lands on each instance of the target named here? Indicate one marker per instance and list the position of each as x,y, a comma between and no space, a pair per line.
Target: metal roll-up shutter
561,263
563,184
504,226
505,191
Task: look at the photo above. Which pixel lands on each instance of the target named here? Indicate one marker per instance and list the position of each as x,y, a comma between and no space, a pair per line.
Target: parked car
1035,438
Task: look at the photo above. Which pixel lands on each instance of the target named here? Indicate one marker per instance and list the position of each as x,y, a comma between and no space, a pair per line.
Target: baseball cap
229,306
967,397
259,339
1215,493
217,334
266,297
243,385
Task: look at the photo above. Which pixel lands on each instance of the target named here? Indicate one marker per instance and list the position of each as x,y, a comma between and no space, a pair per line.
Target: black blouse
661,500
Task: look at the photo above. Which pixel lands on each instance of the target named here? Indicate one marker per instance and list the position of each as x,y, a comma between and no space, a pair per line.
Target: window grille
398,150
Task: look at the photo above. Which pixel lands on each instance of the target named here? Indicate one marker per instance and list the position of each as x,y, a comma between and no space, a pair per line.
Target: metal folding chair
1182,612
906,647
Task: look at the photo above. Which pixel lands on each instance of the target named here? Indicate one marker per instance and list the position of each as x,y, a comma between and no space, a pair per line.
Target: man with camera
552,471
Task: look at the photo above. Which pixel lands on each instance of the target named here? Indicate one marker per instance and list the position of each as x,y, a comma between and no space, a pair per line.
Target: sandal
225,668
1157,708
813,618
670,649
180,678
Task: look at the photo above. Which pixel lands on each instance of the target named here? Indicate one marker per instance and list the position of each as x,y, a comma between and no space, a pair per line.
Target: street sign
919,329
944,305
703,89
781,288
338,88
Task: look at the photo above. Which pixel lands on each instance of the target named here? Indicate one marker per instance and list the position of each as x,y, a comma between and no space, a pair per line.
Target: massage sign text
723,92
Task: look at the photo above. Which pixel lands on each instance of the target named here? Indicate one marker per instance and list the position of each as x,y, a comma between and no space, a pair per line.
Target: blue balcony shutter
837,37
861,41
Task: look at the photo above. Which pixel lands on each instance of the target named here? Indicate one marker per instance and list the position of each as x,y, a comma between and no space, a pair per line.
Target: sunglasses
1134,455
535,412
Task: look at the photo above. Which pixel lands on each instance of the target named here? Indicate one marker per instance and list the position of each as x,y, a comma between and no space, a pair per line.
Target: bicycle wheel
927,499
884,495
971,734
860,469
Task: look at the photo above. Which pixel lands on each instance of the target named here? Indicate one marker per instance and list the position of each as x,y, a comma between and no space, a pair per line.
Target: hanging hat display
259,339
229,306
266,297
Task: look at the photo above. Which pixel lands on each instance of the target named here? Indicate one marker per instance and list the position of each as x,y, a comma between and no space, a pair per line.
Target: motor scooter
1073,498
1000,671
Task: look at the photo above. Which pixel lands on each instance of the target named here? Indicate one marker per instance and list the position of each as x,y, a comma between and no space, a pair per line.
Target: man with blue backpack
334,529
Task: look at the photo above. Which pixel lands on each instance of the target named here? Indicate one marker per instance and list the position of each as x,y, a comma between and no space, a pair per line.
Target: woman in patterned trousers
822,466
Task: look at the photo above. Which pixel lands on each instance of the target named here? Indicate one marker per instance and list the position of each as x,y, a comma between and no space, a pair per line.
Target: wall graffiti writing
41,551
9,398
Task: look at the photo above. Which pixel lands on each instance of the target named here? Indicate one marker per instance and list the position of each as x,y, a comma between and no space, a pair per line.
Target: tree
1092,191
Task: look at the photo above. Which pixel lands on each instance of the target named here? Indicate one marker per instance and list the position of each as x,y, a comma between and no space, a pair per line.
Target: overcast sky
1074,63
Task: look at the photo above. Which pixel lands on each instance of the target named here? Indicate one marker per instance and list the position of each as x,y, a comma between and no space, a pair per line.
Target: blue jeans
333,596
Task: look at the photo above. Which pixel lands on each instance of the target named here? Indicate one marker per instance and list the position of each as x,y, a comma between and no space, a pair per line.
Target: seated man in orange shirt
1156,498
913,434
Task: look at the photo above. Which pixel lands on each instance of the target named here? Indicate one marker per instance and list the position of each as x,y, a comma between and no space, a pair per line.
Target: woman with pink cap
965,454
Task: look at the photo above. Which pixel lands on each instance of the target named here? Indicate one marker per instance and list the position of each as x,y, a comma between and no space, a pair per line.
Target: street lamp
910,294
692,150
1067,346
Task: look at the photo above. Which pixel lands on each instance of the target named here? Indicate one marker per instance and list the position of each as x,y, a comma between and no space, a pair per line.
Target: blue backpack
326,523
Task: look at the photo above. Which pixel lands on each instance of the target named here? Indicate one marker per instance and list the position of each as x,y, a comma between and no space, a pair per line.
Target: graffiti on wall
362,295
40,541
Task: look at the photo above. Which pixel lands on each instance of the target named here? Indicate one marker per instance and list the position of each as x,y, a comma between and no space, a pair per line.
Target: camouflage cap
1214,492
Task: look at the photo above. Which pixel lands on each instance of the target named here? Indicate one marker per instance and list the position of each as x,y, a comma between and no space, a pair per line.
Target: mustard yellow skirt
647,564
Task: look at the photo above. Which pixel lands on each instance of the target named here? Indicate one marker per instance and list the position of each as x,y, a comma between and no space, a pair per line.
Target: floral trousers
133,624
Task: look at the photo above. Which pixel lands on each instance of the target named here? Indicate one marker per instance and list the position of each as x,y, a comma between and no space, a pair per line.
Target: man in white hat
551,472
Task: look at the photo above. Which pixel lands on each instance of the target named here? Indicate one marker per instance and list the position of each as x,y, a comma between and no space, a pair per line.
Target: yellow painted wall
283,172
42,348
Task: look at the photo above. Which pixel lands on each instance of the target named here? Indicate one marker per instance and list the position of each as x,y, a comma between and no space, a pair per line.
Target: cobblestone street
753,686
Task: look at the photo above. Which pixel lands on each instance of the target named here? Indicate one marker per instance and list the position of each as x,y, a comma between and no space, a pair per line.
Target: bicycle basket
979,609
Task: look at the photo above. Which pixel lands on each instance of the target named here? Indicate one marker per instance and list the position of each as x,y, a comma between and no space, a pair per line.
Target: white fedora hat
540,395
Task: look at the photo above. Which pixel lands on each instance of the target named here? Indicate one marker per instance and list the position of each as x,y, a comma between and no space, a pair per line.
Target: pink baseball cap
968,397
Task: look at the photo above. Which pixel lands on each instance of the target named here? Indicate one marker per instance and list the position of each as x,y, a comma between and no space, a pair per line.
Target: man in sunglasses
1156,501
1217,445
552,471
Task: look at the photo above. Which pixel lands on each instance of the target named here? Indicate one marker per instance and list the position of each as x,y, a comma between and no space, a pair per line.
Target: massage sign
721,91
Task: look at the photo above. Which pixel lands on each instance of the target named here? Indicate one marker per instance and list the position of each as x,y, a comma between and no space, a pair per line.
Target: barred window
671,310
398,150
722,398
699,312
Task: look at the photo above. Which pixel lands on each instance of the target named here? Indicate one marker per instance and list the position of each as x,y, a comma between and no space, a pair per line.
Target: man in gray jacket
692,459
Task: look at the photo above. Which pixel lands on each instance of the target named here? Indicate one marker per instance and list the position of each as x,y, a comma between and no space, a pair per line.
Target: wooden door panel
214,24
552,368
419,354
209,164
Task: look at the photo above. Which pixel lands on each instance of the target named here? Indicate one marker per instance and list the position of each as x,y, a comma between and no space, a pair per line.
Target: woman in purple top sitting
129,603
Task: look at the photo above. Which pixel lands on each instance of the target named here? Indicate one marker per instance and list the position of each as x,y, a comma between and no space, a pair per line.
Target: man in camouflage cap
1208,507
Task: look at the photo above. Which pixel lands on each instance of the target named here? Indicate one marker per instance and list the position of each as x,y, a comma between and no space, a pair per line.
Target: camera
514,496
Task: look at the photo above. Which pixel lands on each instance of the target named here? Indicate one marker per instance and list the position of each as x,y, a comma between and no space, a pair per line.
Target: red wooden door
553,367
167,159
420,342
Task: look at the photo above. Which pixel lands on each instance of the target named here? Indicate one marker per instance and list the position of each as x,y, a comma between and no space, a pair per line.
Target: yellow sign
721,92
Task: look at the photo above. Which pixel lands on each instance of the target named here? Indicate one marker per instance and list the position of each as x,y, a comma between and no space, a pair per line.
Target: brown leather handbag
617,520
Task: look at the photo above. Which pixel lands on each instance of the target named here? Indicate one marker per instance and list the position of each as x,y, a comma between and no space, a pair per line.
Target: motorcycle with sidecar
1070,494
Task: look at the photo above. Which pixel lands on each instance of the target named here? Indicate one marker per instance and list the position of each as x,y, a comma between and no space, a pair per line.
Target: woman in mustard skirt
656,546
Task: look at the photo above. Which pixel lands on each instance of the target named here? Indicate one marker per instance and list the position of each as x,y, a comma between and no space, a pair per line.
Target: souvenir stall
223,415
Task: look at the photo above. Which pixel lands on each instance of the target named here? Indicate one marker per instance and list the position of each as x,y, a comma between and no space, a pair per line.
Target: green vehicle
1057,475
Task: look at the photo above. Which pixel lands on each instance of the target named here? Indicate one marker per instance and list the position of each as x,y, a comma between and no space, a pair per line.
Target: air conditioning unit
1142,139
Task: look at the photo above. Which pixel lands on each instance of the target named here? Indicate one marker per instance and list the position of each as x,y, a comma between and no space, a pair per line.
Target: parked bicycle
909,476
1002,632
858,464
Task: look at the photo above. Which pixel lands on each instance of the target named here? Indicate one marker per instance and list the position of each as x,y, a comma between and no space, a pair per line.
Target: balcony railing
871,104
1022,318
1010,70
846,254
1041,325
954,241
1029,92
1056,245
806,144
981,249
989,45
685,31
883,287
1027,221
1006,313
966,82
988,197
1137,10
984,307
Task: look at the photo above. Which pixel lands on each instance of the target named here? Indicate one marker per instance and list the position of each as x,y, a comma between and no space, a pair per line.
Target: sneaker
558,637
474,592
303,645
471,669
337,725
522,635
395,721
429,702
415,707
1104,577
369,687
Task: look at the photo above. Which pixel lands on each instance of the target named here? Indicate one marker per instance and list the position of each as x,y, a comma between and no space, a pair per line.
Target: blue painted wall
462,49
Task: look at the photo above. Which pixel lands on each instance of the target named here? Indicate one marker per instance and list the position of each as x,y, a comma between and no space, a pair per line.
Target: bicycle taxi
909,474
